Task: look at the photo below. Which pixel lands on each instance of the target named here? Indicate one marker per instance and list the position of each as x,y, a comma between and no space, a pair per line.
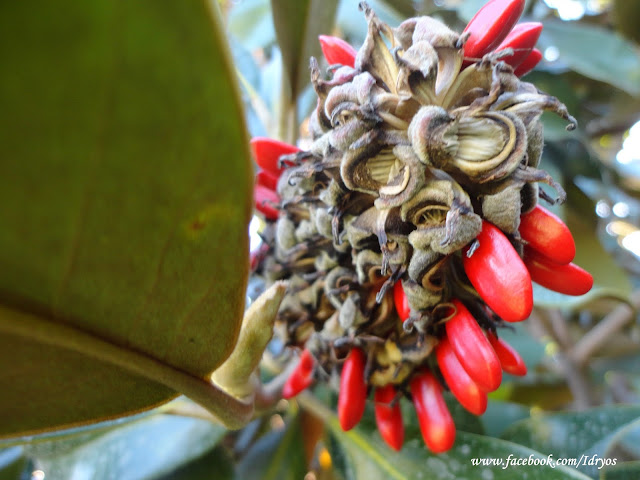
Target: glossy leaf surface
123,228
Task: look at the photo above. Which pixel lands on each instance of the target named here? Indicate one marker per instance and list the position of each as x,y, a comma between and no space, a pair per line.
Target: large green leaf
585,435
500,415
368,458
298,24
595,52
125,204
147,448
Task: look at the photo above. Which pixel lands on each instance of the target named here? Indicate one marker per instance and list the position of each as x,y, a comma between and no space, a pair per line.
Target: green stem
231,412
287,113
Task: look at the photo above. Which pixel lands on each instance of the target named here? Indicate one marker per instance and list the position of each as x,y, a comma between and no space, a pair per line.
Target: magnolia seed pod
416,348
285,236
535,142
448,46
322,219
374,56
358,92
368,265
400,177
476,77
443,216
331,329
419,297
426,269
338,284
349,315
418,72
503,208
306,230
528,197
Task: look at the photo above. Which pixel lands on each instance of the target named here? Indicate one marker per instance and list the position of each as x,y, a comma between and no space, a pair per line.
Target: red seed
490,26
267,179
267,152
258,255
472,349
401,301
528,63
548,235
266,201
353,390
460,383
510,360
389,418
498,274
436,423
301,378
521,40
569,279
337,51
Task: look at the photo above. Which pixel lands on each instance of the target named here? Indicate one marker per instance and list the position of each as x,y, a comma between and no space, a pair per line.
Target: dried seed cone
410,154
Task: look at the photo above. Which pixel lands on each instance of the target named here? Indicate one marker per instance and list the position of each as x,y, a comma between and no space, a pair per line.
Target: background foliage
138,245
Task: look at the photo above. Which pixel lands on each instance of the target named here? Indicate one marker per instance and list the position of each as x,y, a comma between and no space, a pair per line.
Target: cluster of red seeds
470,358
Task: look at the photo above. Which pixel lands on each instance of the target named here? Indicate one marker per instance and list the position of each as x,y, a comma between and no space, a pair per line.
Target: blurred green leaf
214,464
12,464
143,449
630,441
298,24
626,15
595,52
125,207
574,434
278,455
500,415
621,471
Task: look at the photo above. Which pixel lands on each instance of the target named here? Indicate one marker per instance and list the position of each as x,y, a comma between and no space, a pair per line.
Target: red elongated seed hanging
436,424
521,40
498,274
389,417
401,302
337,51
473,350
352,395
545,233
301,378
510,360
569,279
528,63
490,26
266,201
267,153
466,391
267,179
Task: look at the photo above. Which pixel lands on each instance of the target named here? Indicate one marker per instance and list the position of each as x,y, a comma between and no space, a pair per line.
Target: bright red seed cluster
470,357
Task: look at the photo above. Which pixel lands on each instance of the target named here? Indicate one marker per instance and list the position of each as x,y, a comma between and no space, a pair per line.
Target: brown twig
598,336
554,327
